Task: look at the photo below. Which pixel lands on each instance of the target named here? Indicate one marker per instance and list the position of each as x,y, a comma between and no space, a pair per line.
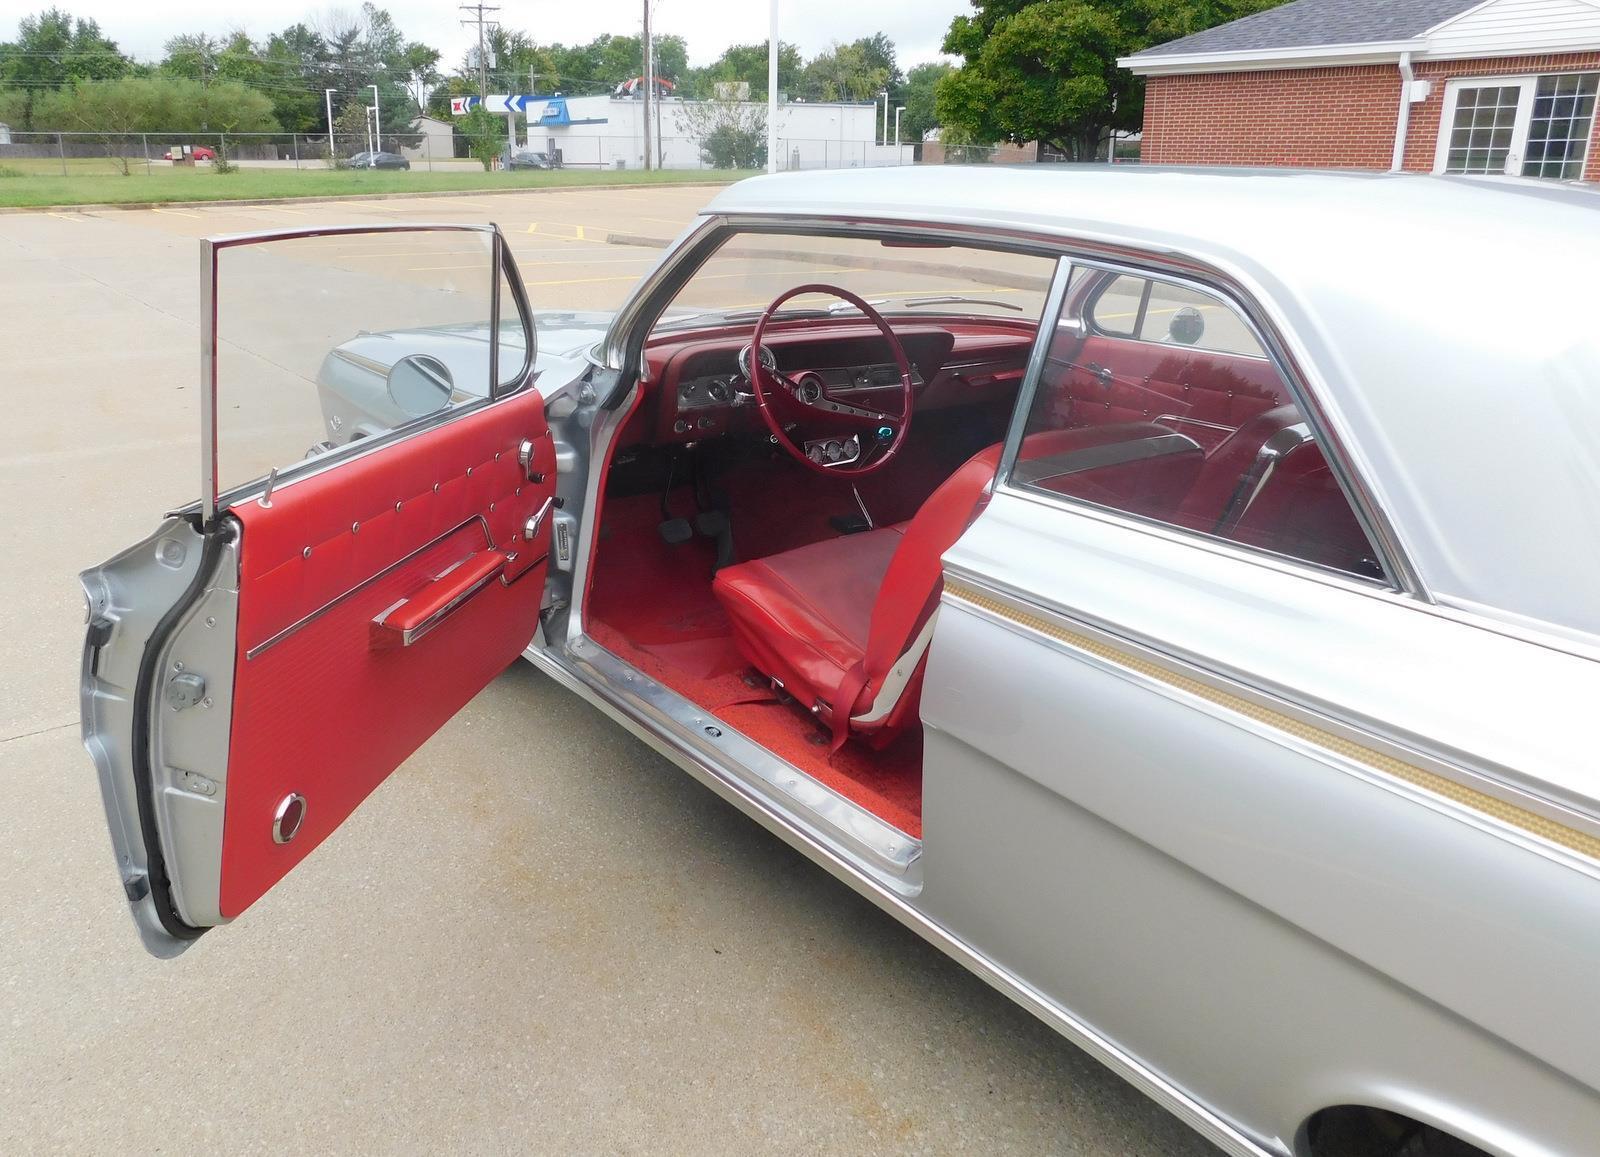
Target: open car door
368,551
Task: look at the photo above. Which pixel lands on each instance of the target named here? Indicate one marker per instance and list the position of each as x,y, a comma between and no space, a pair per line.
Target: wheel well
1362,1131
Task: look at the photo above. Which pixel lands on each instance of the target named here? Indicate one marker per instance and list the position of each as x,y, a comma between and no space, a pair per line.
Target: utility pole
377,117
483,53
327,95
649,83
772,91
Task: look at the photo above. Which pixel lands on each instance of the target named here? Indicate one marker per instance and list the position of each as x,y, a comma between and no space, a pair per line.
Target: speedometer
767,360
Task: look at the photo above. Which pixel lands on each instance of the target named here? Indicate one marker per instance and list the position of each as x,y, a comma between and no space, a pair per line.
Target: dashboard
702,380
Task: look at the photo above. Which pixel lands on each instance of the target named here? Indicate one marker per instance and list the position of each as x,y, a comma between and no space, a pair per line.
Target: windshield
743,277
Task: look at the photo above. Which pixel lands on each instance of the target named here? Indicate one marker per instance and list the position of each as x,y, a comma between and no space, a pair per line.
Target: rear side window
1155,398
1152,310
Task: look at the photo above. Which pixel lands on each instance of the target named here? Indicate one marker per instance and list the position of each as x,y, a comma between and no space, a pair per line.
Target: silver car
1170,593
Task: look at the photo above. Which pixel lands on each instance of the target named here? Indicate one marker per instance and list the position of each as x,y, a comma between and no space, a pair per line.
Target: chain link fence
136,154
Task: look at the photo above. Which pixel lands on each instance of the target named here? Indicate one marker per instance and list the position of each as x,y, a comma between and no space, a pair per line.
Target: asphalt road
537,936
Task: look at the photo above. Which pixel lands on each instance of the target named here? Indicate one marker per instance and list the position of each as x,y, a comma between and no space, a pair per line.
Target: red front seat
843,624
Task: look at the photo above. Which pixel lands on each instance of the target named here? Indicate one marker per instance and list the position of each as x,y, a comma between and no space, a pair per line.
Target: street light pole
898,109
772,92
885,137
649,83
327,96
377,118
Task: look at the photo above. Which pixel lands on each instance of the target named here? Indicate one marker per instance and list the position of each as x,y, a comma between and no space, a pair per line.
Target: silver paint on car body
127,597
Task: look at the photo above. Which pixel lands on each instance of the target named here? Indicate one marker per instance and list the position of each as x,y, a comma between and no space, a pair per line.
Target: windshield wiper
919,301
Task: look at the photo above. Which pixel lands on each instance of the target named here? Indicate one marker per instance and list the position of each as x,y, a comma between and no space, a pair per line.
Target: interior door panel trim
306,620
1547,832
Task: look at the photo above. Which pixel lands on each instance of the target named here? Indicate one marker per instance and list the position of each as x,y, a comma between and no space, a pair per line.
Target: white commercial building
608,132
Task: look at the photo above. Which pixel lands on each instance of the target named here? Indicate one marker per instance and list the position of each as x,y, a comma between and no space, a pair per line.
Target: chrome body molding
1557,830
604,682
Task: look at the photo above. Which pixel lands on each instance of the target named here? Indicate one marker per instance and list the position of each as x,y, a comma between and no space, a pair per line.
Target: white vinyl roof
1450,326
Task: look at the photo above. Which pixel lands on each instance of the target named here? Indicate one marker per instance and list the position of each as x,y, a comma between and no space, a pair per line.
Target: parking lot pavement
536,936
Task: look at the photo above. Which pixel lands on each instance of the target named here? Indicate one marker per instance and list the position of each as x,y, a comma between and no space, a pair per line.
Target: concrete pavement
537,936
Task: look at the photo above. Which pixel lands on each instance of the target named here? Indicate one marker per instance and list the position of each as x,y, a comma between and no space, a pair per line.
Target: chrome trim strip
1036,470
482,522
1489,803
208,381
715,774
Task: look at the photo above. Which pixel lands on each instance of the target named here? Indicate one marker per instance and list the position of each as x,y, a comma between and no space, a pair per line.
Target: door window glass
1181,419
323,341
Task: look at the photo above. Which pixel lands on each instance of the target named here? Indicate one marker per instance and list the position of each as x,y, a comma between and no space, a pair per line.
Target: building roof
1380,302
1331,33
1319,23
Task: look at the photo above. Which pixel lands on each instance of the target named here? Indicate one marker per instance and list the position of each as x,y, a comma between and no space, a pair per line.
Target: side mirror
420,385
1188,326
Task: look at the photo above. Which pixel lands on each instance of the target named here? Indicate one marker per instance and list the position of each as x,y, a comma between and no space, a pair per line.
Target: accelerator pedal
715,524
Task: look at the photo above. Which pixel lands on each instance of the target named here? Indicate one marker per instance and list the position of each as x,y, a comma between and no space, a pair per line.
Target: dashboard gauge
719,390
767,359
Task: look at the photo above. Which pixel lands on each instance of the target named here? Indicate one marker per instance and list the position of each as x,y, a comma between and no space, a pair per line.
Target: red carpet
651,604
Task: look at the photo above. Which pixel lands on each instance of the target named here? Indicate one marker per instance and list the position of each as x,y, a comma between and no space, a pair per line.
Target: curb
133,206
637,239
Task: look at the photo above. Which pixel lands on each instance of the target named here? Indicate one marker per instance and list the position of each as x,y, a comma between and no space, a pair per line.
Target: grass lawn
84,185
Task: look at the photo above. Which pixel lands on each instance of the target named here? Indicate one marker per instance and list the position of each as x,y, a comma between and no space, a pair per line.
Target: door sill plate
698,736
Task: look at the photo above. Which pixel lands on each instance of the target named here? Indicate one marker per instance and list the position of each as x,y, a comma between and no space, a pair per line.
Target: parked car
197,153
379,161
528,159
1170,593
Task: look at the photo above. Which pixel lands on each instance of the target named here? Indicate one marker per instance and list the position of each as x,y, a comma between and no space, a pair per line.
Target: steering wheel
785,401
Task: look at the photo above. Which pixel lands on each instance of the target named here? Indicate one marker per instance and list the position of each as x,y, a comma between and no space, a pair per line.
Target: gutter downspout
1403,119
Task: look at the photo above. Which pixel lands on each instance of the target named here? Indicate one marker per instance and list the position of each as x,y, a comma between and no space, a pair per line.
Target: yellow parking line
172,212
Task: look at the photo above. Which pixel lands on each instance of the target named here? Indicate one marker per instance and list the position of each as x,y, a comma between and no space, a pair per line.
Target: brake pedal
675,531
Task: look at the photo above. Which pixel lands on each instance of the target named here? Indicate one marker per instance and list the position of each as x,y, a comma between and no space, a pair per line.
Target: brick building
1432,86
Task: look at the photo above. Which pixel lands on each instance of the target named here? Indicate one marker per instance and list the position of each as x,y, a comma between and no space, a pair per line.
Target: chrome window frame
502,265
1397,574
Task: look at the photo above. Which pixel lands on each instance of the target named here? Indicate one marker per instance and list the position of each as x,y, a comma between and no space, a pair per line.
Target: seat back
904,607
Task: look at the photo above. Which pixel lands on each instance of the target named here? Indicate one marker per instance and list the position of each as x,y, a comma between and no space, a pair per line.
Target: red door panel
426,534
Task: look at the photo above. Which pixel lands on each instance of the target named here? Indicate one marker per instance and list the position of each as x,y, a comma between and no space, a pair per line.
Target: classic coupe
1170,593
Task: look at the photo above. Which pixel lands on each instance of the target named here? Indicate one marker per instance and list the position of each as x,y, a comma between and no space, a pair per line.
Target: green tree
748,62
732,135
918,96
155,104
484,135
418,66
1046,70
850,72
52,50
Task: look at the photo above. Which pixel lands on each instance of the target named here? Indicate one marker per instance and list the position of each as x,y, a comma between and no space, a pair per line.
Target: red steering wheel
786,402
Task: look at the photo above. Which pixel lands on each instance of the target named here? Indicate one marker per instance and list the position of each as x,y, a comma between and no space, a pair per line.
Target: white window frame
1528,83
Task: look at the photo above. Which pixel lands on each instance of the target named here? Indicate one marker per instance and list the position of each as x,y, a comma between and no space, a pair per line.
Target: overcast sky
141,27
